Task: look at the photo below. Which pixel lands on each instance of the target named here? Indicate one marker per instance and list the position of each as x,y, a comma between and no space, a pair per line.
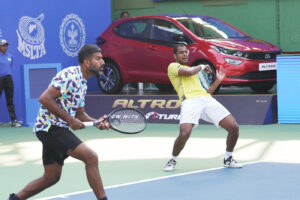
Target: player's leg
184,135
50,177
90,158
190,113
231,126
217,114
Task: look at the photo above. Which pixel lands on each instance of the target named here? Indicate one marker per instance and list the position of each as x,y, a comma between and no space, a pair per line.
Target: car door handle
152,47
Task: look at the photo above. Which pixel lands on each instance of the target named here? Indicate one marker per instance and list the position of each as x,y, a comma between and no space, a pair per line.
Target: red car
139,49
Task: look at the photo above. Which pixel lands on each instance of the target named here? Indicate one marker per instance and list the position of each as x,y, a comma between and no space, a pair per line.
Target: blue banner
49,32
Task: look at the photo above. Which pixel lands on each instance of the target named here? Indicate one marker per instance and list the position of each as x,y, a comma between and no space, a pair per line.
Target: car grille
263,55
256,75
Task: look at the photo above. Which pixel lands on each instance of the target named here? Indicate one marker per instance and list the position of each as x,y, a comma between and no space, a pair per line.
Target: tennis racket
124,120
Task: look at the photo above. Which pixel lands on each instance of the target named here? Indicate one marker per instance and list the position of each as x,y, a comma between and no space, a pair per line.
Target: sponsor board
166,109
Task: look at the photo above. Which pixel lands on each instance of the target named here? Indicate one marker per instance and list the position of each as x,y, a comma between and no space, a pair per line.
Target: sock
228,154
104,198
174,157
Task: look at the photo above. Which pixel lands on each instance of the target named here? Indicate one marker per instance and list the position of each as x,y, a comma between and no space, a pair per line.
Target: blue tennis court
260,180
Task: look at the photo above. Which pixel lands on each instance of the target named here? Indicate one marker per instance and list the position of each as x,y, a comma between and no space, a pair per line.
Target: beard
95,70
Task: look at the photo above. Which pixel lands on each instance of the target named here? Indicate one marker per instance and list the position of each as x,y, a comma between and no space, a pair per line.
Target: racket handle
88,123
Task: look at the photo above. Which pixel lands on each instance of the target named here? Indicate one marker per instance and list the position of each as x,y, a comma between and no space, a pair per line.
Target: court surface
264,180
131,165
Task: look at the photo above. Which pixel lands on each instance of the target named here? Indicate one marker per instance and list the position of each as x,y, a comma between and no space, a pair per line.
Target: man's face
96,63
182,55
125,15
3,48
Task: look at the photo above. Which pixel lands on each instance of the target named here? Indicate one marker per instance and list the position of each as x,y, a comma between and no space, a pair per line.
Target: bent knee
234,129
52,179
91,157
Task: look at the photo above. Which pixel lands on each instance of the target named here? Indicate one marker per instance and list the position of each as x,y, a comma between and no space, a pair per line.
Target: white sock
174,157
227,154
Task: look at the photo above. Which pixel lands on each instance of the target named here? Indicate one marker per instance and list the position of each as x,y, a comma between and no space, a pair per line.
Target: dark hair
87,51
175,48
124,12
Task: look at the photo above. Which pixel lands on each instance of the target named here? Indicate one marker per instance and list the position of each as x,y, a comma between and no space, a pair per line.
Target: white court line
143,181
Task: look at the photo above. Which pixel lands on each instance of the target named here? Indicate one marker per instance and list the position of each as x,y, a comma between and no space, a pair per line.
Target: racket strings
129,121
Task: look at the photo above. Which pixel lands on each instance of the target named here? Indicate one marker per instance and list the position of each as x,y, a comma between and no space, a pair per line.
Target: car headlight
231,52
233,61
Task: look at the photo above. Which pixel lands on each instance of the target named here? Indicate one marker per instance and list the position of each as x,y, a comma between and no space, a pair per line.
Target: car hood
248,44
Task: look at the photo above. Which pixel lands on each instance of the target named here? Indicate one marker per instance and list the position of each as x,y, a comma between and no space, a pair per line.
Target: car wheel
211,77
262,87
164,87
109,80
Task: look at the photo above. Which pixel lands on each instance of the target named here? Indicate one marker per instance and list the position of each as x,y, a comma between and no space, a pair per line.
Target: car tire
262,87
164,87
110,80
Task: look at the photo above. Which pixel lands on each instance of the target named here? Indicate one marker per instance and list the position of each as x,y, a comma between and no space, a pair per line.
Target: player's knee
52,179
234,129
92,158
184,135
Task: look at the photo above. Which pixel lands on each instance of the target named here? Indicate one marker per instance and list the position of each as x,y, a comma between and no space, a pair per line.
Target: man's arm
48,99
193,70
220,75
84,117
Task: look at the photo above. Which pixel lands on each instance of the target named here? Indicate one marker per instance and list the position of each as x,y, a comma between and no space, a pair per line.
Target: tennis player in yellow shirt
197,103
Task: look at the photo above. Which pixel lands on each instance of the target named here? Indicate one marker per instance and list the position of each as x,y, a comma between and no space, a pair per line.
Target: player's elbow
43,99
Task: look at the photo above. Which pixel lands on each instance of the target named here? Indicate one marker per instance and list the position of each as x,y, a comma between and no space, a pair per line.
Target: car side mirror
178,38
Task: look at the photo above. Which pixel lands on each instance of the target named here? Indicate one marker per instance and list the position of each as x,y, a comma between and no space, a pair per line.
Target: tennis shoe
13,196
16,124
170,165
231,163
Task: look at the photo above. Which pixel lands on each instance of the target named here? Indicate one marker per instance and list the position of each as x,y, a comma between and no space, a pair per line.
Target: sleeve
173,69
63,83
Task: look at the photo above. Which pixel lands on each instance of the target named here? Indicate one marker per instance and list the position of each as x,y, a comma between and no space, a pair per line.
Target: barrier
247,109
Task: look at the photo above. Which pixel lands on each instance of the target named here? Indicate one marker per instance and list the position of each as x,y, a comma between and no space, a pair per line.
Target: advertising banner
247,109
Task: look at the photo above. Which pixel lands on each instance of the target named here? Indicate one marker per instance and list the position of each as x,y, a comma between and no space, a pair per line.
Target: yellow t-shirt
186,86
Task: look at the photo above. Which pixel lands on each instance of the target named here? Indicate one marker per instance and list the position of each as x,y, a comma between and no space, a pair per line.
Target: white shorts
205,108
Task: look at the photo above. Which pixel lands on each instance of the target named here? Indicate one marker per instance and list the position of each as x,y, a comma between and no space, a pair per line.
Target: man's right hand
76,124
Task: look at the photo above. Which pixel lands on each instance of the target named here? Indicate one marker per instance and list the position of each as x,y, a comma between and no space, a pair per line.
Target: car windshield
209,28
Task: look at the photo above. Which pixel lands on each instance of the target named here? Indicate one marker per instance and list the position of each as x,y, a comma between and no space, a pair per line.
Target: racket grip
88,123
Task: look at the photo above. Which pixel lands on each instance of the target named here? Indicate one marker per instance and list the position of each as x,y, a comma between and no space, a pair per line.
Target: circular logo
72,34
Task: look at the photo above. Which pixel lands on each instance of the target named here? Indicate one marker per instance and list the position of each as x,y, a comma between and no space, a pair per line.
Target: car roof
167,16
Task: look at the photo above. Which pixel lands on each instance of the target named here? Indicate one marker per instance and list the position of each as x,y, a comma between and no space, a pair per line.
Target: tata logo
72,34
31,37
267,56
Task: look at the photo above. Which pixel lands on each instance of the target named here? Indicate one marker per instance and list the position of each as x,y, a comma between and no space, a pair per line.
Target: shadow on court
260,181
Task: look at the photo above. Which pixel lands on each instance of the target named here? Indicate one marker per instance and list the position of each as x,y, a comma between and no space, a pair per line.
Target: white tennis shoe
170,165
231,163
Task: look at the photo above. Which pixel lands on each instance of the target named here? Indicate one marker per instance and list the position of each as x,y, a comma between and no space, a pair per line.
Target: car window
133,28
209,28
165,31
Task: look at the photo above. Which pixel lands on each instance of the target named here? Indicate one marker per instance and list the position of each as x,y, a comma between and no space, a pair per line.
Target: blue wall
49,32
288,82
